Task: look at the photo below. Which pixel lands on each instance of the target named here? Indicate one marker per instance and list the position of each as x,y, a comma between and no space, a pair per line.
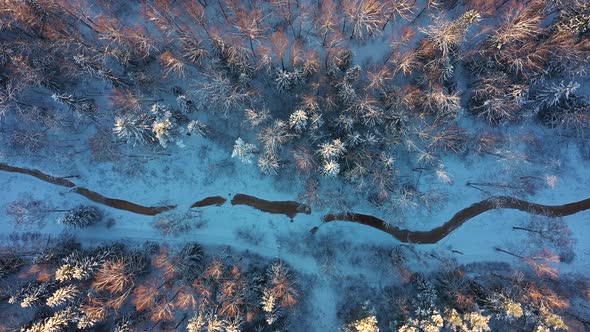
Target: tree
326,21
279,45
134,128
249,25
394,8
82,266
189,261
441,103
365,16
540,262
144,297
218,93
364,320
268,162
447,36
298,120
243,151
81,106
172,65
81,216
113,276
56,322
63,295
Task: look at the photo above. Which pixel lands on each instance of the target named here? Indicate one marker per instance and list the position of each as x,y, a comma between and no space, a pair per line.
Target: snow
205,167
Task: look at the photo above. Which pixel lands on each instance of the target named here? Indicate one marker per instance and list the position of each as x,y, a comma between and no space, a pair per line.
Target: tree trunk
252,47
509,253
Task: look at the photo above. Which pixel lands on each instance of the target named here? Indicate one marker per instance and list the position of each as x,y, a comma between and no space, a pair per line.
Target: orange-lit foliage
144,297
327,20
379,77
113,277
125,100
159,15
163,311
94,309
197,12
16,13
540,263
542,296
214,270
118,301
109,29
304,160
202,288
250,24
140,41
162,261
186,300
172,64
42,273
279,44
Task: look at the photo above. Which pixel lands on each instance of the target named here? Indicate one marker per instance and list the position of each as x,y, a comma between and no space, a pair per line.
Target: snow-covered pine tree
63,295
272,311
134,128
165,127
81,216
196,127
244,151
32,293
81,266
298,120
79,105
554,94
268,163
57,322
284,80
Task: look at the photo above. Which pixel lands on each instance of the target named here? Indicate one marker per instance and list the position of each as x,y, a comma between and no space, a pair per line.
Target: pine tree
57,322
79,105
365,16
32,293
298,120
165,126
284,80
63,295
243,151
81,216
134,128
332,150
330,168
196,127
189,261
268,163
196,323
81,266
555,93
270,307
186,105
125,324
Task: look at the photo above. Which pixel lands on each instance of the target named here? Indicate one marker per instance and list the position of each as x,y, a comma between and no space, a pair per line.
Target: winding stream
213,200
439,233
291,209
91,195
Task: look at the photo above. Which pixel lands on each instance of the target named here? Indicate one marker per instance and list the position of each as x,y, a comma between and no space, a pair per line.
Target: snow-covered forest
295,165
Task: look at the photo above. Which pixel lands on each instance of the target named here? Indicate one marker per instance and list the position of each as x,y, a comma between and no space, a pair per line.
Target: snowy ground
203,169
556,166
